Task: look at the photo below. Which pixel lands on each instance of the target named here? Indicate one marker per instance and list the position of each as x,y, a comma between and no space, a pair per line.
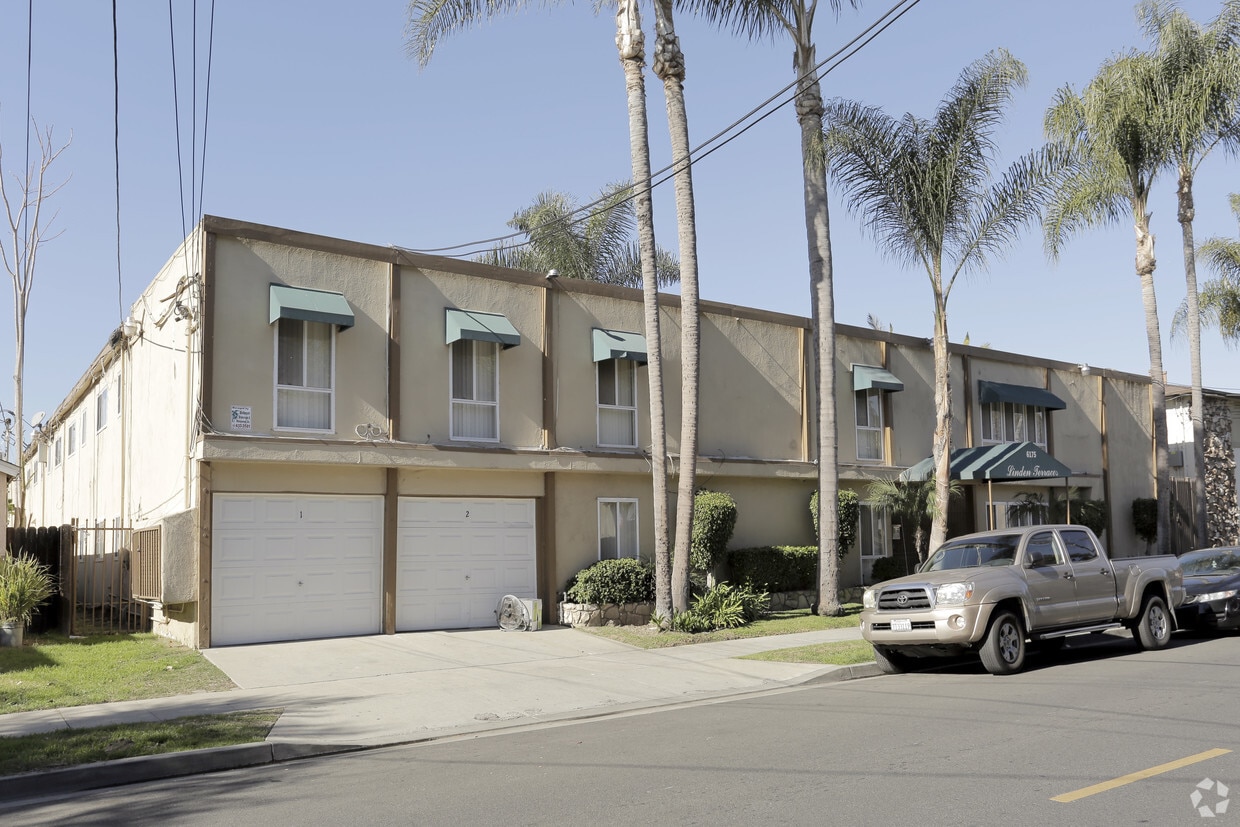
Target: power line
704,149
116,146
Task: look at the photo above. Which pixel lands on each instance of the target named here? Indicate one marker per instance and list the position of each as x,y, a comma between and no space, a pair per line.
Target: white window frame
101,409
879,519
72,438
58,451
869,427
615,504
454,401
329,391
998,423
631,410
1001,516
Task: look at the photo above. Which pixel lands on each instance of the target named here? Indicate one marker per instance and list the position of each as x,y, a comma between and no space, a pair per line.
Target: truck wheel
1153,629
890,661
1003,649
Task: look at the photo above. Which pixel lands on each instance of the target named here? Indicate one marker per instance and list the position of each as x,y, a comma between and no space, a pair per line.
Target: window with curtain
1013,422
869,406
304,393
617,403
617,529
872,533
475,390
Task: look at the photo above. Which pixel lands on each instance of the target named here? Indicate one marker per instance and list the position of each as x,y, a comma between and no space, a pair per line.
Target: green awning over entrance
989,392
481,327
309,305
866,377
616,344
1005,461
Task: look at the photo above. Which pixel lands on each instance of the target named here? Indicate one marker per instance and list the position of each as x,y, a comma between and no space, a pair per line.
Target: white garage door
293,567
457,558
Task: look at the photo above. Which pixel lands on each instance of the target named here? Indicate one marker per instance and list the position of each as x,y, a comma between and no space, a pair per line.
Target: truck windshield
993,551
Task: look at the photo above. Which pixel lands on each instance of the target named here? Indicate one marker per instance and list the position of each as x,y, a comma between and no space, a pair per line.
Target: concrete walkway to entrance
349,693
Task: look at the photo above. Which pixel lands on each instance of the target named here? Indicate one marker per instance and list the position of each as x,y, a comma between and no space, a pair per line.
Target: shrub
775,568
886,568
1145,518
714,518
848,515
24,584
613,581
723,607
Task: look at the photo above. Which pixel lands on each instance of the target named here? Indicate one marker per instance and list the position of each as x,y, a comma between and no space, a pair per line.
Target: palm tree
1220,297
911,505
760,19
925,190
1114,134
594,242
428,21
669,67
1199,70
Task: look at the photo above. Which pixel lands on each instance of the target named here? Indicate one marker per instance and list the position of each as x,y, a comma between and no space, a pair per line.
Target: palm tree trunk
1186,214
809,109
942,446
669,66
1158,381
631,44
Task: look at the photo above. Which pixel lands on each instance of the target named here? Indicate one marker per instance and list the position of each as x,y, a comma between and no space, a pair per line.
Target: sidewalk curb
125,771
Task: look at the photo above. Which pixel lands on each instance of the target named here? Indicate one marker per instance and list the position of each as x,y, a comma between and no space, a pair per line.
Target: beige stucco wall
1130,453
424,403
244,337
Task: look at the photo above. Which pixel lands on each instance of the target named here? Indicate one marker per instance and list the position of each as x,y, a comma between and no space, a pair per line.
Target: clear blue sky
319,122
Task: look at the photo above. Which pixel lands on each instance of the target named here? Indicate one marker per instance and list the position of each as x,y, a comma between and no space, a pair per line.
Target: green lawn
53,671
776,623
67,747
839,653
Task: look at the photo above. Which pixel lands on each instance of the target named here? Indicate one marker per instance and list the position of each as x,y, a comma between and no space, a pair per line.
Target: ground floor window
617,529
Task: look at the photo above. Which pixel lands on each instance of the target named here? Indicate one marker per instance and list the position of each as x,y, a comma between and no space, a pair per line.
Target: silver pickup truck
992,592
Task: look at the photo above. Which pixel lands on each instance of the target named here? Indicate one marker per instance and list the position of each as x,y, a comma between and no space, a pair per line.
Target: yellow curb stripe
1085,792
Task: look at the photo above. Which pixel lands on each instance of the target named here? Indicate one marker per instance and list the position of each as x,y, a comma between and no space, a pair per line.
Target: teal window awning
616,344
991,392
309,305
866,377
1005,461
480,327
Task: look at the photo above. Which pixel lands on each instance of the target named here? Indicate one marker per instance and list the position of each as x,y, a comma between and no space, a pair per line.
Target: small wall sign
240,417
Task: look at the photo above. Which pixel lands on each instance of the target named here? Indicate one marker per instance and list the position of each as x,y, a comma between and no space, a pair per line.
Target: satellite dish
36,420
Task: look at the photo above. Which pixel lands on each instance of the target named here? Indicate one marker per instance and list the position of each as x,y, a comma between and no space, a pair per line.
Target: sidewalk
354,693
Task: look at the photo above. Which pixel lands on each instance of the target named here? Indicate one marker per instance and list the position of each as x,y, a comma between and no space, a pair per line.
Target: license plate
902,625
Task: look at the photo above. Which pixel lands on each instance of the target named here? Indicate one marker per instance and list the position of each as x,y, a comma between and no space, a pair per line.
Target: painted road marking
1085,792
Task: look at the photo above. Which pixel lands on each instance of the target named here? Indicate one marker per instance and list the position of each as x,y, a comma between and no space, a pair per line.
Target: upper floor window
58,452
305,355
869,383
617,529
73,438
475,390
869,424
617,403
101,409
1013,422
1016,413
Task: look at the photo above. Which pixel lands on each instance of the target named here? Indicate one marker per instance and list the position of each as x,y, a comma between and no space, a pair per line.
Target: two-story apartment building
337,438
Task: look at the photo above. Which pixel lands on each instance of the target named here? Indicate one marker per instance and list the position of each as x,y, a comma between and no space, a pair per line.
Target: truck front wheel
1153,629
890,661
1003,649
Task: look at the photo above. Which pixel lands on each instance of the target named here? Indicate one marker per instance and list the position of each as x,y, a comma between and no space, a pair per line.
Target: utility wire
703,149
206,112
176,116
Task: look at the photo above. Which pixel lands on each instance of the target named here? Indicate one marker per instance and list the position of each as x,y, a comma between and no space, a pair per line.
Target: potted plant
24,584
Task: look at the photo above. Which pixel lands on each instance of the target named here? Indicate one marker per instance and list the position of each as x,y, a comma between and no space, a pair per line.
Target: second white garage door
295,567
457,558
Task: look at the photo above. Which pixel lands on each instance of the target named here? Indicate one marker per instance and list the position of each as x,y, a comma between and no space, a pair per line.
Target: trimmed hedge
848,515
775,568
714,519
1145,518
613,581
